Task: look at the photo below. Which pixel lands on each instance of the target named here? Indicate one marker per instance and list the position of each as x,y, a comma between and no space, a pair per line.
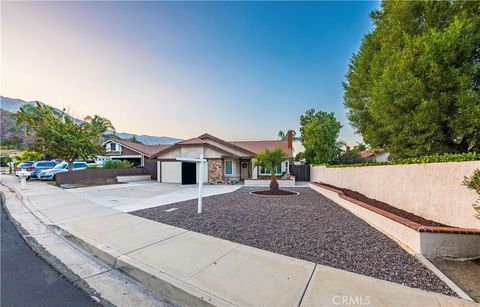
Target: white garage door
172,172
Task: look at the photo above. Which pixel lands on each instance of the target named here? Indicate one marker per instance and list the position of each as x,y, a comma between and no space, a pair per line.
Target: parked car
49,174
39,166
23,167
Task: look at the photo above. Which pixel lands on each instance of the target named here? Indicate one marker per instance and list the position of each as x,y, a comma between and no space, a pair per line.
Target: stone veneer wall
215,171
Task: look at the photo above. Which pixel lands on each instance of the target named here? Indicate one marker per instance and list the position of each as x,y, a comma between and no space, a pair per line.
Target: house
227,161
138,154
375,156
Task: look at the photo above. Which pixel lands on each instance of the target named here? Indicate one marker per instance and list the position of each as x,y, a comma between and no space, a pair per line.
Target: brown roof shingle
145,149
258,146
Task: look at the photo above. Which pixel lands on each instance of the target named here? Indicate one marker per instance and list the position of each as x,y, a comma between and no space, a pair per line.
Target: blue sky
238,70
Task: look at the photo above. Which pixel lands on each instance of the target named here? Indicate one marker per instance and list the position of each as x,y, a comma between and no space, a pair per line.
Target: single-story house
138,154
227,161
375,156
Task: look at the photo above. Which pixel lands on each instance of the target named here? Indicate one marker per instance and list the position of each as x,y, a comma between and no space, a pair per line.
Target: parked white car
49,174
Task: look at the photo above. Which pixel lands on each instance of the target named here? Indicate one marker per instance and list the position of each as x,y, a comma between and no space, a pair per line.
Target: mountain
9,106
148,139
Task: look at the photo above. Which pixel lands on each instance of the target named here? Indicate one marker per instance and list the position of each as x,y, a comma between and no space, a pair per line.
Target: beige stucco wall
433,191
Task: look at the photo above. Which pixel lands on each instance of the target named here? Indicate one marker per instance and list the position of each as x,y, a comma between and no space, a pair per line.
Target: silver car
49,174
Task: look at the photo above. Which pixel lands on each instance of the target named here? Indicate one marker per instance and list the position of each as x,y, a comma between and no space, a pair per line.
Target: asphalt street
26,280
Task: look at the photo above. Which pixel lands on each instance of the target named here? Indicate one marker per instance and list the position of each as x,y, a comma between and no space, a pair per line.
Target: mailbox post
200,160
23,179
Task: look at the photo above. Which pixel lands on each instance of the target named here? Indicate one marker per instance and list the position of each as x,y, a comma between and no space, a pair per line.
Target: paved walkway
146,194
196,269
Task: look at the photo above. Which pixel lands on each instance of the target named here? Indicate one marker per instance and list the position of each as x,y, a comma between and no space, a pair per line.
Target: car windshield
61,166
25,164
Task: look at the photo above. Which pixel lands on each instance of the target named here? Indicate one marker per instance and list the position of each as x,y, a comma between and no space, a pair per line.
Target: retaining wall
433,191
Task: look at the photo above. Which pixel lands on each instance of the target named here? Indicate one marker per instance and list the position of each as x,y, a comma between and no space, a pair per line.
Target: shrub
118,164
473,183
350,157
27,155
470,156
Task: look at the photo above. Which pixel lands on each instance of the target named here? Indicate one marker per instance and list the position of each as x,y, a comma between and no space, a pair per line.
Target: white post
200,160
23,179
23,183
200,184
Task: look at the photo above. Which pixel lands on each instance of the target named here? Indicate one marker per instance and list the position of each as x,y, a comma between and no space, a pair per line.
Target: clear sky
238,70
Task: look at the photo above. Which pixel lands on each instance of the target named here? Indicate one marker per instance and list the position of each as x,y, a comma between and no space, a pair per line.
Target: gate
301,172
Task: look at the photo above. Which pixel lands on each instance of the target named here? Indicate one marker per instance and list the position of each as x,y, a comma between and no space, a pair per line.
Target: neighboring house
375,156
118,149
226,161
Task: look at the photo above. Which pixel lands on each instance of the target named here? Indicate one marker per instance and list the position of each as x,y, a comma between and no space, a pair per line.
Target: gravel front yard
307,226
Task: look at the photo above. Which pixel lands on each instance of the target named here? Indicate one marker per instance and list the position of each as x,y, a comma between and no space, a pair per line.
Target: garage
189,173
171,172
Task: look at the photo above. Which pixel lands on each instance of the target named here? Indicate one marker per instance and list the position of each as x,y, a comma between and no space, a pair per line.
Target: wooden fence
301,172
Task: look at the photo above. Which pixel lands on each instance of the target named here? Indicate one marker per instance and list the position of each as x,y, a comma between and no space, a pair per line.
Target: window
113,146
266,171
228,167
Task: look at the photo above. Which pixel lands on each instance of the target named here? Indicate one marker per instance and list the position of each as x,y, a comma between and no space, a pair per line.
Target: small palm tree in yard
270,159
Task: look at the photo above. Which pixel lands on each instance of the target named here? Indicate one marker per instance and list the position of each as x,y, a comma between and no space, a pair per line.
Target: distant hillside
8,106
8,130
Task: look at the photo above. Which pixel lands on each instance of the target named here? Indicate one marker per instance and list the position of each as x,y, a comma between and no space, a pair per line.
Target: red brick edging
402,220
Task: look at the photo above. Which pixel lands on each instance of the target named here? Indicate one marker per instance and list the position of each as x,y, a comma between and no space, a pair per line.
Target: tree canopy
414,85
270,159
59,135
319,133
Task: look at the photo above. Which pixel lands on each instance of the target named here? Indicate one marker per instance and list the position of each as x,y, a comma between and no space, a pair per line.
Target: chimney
290,139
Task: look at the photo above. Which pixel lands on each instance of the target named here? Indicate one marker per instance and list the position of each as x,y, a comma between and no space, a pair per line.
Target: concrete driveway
146,194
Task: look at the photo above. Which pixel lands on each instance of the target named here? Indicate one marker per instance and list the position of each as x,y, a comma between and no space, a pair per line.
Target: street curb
50,259
178,291
64,271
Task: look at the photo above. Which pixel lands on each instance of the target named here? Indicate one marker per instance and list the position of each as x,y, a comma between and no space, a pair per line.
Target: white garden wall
433,191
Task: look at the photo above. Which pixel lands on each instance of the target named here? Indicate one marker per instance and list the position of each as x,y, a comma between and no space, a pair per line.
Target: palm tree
284,136
270,159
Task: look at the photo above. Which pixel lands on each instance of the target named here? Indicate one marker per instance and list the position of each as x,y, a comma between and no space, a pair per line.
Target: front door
189,173
244,165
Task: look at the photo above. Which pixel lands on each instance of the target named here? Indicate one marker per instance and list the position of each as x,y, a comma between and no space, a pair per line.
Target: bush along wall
460,157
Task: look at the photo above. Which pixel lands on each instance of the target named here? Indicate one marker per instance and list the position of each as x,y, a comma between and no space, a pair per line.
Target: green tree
319,133
60,136
270,159
413,87
359,147
135,140
300,156
27,155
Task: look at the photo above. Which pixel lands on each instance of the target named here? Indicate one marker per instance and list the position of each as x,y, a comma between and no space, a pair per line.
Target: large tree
319,133
414,85
60,136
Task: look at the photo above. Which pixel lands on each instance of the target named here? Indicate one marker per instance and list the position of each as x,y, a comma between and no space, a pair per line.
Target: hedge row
471,156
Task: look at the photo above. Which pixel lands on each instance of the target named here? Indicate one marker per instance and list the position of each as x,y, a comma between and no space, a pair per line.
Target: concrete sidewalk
195,269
